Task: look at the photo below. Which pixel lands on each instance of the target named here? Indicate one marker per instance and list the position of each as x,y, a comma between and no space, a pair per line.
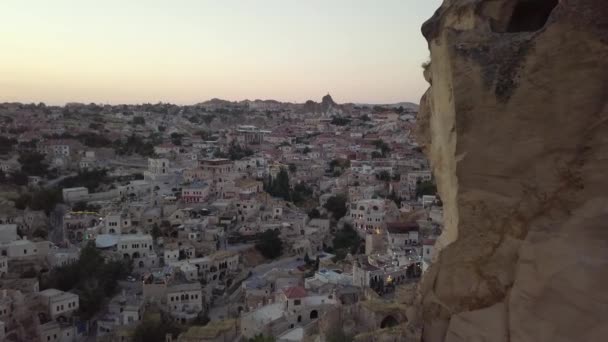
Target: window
296,302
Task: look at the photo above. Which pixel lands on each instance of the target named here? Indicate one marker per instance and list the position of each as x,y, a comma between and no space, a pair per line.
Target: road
53,182
285,263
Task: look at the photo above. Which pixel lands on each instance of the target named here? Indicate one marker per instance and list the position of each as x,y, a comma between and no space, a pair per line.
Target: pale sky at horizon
188,51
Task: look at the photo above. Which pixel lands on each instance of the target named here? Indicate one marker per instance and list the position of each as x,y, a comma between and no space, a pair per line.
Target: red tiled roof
295,292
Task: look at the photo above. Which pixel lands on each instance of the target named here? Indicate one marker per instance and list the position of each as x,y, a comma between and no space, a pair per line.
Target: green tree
382,146
347,239
270,244
314,213
139,120
280,185
425,188
91,179
337,206
6,144
92,287
176,138
40,233
150,331
42,199
155,231
33,164
19,178
384,176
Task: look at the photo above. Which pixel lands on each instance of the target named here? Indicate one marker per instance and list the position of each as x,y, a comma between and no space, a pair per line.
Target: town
220,221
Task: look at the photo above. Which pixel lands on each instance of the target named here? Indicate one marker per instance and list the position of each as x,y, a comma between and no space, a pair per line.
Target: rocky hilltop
516,127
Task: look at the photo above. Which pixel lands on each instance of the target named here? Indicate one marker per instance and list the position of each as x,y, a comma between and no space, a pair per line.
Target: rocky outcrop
327,106
516,127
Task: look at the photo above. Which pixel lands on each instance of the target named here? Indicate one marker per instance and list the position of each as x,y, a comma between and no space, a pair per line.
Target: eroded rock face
516,127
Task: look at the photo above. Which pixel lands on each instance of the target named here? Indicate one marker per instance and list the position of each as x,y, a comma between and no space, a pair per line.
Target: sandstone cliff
516,127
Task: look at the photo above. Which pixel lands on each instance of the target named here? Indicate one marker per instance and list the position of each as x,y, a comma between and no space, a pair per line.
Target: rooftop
295,292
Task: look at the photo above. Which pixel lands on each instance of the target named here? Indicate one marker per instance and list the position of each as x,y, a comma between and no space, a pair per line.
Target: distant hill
326,106
405,105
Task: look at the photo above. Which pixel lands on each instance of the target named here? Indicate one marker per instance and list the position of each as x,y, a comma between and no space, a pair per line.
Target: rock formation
516,127
327,106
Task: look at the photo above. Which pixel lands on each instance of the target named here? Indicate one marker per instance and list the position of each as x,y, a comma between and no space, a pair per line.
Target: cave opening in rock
388,321
530,15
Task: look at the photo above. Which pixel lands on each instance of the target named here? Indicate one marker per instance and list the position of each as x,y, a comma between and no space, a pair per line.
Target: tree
425,188
33,164
346,240
92,287
6,144
40,233
91,179
150,331
314,213
19,178
339,121
280,185
337,206
84,206
176,138
384,176
365,117
270,244
155,231
293,168
42,199
306,259
382,146
139,120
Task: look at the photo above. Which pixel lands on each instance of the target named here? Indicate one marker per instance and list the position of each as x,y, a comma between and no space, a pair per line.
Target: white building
75,194
117,223
368,214
135,245
55,332
59,303
63,256
402,235
25,249
185,301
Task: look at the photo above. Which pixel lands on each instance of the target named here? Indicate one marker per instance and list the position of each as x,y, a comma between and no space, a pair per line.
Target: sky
189,51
